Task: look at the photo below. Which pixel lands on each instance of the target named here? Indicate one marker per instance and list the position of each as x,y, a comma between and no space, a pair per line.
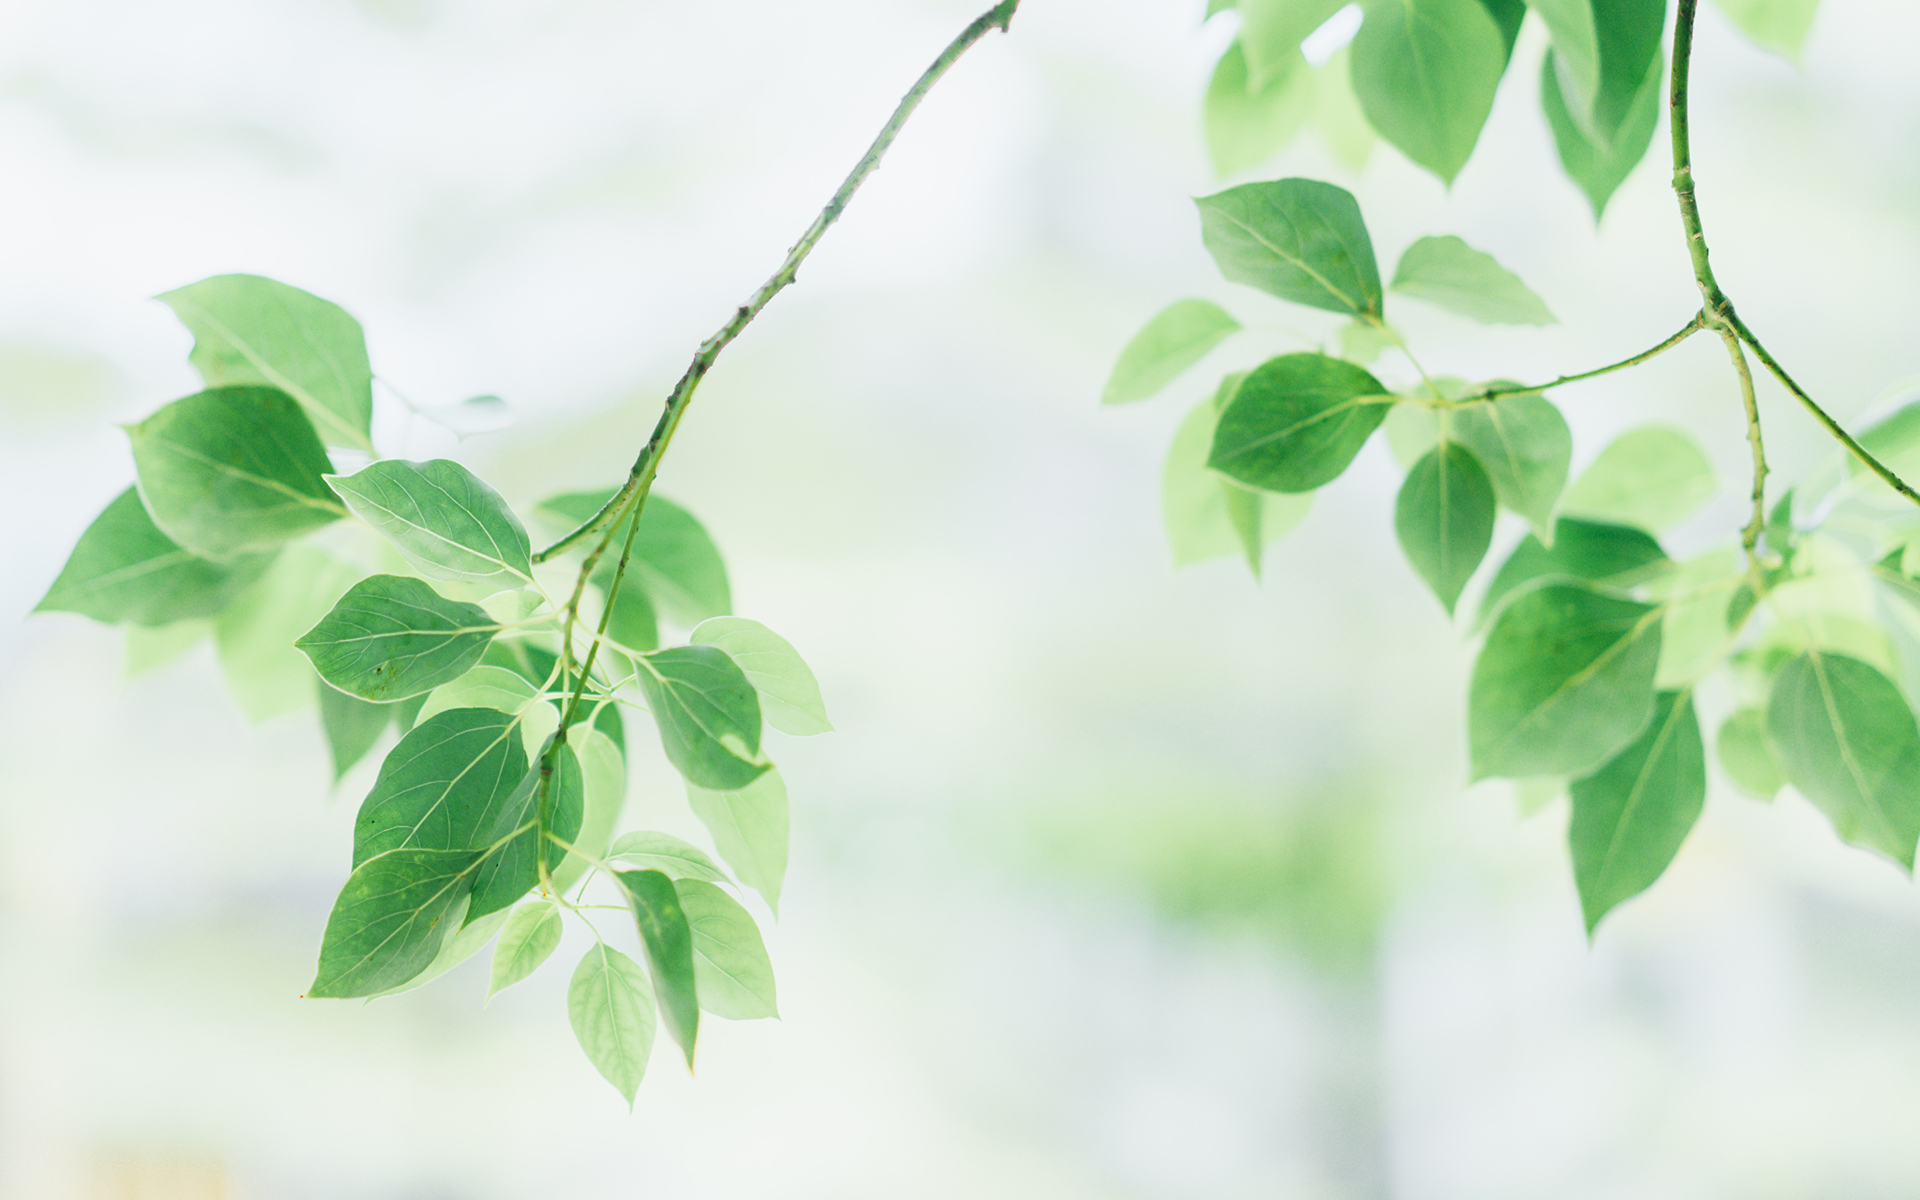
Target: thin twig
1494,390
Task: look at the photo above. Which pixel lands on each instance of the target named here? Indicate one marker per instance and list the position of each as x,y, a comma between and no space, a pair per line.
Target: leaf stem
1494,390
647,465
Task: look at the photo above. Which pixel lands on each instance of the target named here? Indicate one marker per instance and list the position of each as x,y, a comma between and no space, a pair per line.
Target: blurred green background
1116,881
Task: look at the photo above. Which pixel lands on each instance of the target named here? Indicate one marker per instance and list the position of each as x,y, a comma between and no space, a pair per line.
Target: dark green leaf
125,569
1444,518
672,555
1564,682
1746,754
248,329
1778,25
530,935
1582,550
1426,72
1296,422
1271,32
789,695
352,726
513,867
1525,445
610,1004
442,517
233,471
1630,816
444,786
1846,740
1650,478
1298,239
392,636
1448,272
1601,167
730,961
707,713
668,941
390,919
1248,125
667,854
749,828
535,665
1178,337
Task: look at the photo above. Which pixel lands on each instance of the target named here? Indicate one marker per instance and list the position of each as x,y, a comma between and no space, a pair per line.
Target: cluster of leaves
1422,74
501,797
1595,642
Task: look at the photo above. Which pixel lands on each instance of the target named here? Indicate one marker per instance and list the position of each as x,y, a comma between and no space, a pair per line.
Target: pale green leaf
1448,272
531,934
1444,519
1746,754
1426,72
603,778
610,1004
442,517
789,695
1651,477
1271,32
1298,239
749,828
667,854
1846,740
1296,422
1247,124
125,570
149,649
1194,498
255,634
1778,25
351,725
1179,336
391,637
1631,815
730,962
674,558
707,712
1693,635
1342,125
1525,445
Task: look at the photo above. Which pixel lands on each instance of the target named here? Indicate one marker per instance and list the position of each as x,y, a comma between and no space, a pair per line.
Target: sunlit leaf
390,919
255,634
1179,336
668,941
1298,239
442,517
708,715
125,570
1746,754
749,828
730,961
673,556
1246,125
667,854
1564,682
530,935
1448,272
1581,550
1525,446
1694,632
789,694
1846,740
1778,25
1650,478
1631,815
1444,519
1194,498
603,784
610,1004
1426,72
392,636
1271,32
443,786
248,329
1600,167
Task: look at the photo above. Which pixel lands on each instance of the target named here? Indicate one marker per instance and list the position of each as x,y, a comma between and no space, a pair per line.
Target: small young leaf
789,694
233,471
603,783
1630,816
1444,518
530,935
729,959
1525,445
1426,72
1247,125
1581,550
1746,754
125,570
1599,167
1448,272
391,637
1564,682
667,854
1846,739
1296,422
443,786
389,921
673,556
248,329
512,867
1178,337
445,521
707,712
668,941
610,1004
1777,25
351,725
1195,500
749,828
1271,32
1651,477
1298,239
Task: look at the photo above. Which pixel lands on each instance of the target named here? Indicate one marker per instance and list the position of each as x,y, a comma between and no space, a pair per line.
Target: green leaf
1296,422
1178,337
603,781
668,941
487,686
667,854
1337,115
443,519
1298,239
1246,125
1746,754
1846,739
1777,25
749,828
1448,272
789,694
391,637
1693,636
1651,477
512,868
352,726
708,715
633,624
389,921
1600,167
459,946
529,937
1630,816
233,471
248,329
149,649
443,786
1444,518
1582,550
1525,445
1564,682
1198,503
124,569
1507,16
1426,72
1271,32
255,634
672,555
610,1004
1605,50
730,963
